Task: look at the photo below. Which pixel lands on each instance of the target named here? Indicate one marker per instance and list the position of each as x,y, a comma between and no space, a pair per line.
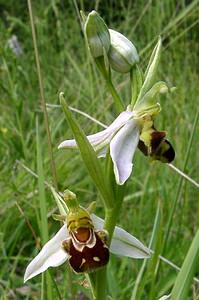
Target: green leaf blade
89,156
185,276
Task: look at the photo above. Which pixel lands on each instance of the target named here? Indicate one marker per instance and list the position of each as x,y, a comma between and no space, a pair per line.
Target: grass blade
43,212
185,276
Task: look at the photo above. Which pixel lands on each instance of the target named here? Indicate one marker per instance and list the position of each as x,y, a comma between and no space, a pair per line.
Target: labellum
87,250
85,246
160,148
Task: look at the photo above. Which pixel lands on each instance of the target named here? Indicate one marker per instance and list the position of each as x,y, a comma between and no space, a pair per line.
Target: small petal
51,255
123,243
102,138
122,149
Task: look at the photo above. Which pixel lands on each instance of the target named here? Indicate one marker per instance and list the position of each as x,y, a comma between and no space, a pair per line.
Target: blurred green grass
66,66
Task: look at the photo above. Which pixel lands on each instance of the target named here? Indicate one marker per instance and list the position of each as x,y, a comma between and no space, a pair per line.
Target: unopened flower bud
97,34
122,54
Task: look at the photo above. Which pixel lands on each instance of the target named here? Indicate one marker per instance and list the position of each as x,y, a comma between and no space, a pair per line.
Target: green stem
118,102
107,76
101,284
111,217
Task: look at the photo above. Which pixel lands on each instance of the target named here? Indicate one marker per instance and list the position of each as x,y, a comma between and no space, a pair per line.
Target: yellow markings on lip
96,258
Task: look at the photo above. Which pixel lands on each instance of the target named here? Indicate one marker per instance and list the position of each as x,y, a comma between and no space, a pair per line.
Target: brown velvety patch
143,148
161,149
156,139
165,152
89,259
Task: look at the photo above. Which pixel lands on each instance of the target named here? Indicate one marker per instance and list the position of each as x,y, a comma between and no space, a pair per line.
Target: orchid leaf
185,276
88,156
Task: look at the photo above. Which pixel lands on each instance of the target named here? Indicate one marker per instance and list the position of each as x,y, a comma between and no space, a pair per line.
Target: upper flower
129,130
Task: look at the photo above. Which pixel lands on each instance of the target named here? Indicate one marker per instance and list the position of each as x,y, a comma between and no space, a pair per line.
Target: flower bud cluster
122,54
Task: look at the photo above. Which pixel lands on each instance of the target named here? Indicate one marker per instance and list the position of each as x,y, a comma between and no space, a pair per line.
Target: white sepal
122,149
51,255
101,139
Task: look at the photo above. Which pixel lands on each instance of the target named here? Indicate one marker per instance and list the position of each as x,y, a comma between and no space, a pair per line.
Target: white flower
53,254
122,136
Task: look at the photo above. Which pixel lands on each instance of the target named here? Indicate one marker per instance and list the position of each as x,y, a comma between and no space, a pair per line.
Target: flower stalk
108,78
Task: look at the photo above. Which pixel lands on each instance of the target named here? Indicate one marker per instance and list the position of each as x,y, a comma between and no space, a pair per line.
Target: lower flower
83,243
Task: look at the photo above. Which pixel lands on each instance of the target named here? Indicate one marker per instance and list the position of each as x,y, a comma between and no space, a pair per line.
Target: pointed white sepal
51,255
101,139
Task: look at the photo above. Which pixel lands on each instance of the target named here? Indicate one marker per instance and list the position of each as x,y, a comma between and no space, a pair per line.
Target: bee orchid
131,129
83,242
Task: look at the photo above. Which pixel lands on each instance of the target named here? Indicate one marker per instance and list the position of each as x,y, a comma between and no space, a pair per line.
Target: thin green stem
101,284
107,76
118,102
111,217
41,87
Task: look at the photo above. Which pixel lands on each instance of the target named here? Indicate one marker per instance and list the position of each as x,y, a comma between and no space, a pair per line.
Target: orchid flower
132,128
53,253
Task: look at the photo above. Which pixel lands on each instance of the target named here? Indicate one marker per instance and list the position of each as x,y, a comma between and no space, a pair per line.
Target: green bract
97,34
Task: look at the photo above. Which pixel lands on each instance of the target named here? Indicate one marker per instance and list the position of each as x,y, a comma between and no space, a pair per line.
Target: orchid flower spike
131,129
83,243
